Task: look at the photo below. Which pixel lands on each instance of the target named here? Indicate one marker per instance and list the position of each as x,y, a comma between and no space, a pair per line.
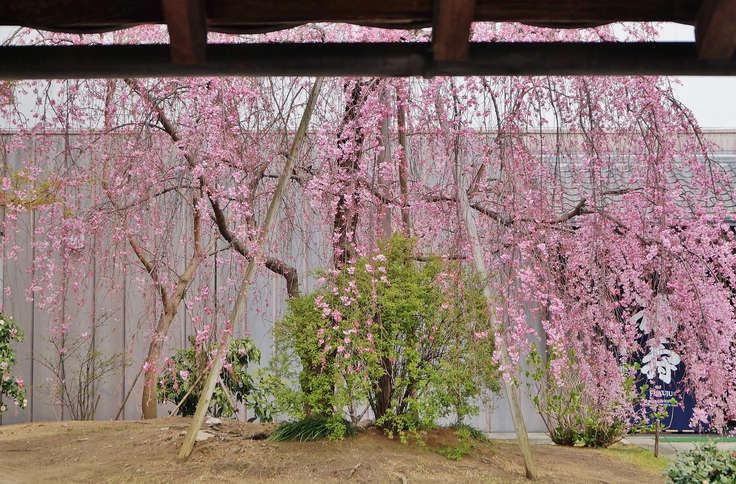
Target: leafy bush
313,428
456,452
389,332
600,432
568,411
705,463
560,406
185,370
566,435
463,429
10,386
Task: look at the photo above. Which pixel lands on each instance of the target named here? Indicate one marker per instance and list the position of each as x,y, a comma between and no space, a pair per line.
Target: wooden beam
374,60
715,30
248,16
451,29
187,24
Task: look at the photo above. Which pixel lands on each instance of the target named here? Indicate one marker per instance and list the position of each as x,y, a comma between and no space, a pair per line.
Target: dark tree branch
276,266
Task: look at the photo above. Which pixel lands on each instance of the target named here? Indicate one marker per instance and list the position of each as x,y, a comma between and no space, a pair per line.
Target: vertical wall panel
16,280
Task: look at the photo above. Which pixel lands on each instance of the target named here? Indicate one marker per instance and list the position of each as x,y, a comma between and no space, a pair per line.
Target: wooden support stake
273,208
512,393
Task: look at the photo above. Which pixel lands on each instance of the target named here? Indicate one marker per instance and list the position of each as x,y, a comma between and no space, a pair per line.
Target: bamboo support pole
512,393
212,377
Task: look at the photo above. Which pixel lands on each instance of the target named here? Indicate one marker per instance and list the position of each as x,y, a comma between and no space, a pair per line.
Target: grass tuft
467,439
313,428
468,430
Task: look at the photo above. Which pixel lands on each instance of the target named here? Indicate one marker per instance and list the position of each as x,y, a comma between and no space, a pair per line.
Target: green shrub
456,452
463,429
566,407
705,463
391,333
9,385
185,368
564,435
600,432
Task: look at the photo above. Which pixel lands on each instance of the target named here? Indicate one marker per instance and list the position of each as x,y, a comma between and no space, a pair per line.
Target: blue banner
663,372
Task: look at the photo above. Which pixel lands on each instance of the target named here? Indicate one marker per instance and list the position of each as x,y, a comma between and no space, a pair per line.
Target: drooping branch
289,273
140,253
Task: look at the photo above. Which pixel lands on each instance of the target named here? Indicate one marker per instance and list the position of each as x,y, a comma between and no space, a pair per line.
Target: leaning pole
214,373
512,393
452,147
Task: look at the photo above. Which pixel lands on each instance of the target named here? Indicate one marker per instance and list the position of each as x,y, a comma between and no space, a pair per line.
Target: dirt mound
145,451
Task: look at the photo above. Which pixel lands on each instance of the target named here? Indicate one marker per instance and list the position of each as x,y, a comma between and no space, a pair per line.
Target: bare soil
146,451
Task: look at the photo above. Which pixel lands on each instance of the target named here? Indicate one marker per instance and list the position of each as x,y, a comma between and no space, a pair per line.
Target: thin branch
278,267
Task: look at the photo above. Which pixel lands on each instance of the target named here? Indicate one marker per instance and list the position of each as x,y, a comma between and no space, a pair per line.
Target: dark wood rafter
251,16
715,30
451,29
361,60
187,24
450,54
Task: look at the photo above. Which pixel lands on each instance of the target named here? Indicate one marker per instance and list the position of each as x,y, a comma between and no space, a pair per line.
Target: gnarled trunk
149,400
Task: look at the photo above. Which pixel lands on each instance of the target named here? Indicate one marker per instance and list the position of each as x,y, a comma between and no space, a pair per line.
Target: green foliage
568,412
705,463
467,439
388,332
9,385
463,429
456,452
564,435
560,406
27,194
297,358
313,428
236,384
599,432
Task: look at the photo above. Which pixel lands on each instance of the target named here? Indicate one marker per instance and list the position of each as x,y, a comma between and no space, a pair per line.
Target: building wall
127,312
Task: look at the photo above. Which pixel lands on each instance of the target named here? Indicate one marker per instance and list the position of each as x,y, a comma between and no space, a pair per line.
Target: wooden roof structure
449,52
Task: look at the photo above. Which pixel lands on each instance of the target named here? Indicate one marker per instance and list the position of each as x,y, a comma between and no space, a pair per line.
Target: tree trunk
384,391
346,212
149,400
403,165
